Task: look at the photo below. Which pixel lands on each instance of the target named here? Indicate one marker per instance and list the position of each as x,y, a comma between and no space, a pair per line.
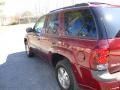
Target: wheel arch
69,56
56,57
62,54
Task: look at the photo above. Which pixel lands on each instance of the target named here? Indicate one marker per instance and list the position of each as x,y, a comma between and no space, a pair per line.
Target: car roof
89,4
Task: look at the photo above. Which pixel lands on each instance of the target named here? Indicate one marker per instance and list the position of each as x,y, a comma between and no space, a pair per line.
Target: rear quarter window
80,23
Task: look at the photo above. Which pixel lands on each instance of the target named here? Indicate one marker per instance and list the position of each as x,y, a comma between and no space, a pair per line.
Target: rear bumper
113,85
99,80
107,81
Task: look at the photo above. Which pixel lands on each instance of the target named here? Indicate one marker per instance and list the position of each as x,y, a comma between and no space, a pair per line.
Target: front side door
36,36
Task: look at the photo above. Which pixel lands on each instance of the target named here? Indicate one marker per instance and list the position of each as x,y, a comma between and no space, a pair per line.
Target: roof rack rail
81,4
61,8
97,3
76,5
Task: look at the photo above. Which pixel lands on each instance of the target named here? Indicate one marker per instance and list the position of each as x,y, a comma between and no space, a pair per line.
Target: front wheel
65,76
28,51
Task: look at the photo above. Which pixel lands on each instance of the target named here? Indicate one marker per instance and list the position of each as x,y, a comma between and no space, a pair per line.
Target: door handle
53,43
39,38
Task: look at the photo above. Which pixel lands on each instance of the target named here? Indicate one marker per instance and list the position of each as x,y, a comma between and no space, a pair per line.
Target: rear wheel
28,51
65,76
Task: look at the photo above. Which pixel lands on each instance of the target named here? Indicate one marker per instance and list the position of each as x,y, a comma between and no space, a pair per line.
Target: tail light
99,59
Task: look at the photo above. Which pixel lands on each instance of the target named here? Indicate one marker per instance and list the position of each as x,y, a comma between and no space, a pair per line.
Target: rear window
110,16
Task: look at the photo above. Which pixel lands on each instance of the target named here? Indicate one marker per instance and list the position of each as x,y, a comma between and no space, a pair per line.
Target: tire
28,50
69,78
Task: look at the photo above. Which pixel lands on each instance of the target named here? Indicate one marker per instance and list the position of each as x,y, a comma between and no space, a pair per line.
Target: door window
39,25
53,24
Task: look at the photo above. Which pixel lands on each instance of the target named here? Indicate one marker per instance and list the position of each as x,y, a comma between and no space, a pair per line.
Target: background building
26,11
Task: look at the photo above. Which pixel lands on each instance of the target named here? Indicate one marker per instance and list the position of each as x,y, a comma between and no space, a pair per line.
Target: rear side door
52,31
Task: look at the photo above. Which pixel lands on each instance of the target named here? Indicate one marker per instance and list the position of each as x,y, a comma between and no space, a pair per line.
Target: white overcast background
36,6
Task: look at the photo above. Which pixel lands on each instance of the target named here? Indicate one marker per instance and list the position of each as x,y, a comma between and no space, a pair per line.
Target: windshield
110,17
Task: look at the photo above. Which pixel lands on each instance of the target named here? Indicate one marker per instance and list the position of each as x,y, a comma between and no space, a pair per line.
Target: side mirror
29,29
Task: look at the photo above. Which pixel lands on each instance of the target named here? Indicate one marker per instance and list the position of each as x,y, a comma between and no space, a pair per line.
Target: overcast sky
13,7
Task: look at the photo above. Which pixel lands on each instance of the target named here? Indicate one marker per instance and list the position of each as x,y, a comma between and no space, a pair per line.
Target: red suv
82,42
